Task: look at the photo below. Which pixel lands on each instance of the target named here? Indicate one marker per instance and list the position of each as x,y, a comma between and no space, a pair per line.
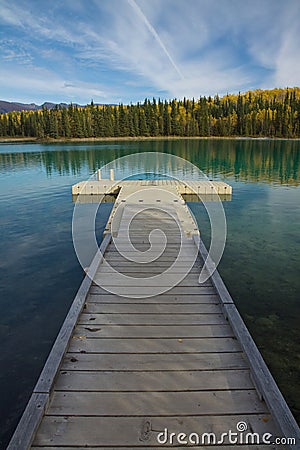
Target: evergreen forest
258,113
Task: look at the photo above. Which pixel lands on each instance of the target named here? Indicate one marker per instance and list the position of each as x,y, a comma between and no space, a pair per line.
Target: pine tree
167,120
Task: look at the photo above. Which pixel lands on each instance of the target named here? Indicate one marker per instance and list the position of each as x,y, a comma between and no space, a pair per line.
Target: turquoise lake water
40,273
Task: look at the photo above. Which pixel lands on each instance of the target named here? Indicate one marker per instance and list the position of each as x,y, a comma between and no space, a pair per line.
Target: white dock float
104,187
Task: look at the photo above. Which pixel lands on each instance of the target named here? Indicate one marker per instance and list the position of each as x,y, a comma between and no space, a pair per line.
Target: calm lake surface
40,273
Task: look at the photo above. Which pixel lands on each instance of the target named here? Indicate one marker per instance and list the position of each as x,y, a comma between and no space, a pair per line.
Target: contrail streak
155,35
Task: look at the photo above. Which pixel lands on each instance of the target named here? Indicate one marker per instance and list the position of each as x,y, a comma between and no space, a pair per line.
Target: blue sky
126,50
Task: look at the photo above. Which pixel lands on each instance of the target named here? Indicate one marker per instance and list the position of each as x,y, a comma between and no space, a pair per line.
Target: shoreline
12,140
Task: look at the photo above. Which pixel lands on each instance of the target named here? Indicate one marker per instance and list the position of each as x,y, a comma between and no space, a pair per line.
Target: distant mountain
6,107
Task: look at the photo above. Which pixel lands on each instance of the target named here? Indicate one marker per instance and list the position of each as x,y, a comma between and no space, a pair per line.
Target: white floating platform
105,187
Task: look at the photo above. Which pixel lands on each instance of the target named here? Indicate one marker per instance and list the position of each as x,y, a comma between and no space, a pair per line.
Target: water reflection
244,160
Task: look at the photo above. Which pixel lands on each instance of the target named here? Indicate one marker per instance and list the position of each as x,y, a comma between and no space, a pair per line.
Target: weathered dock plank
176,404
152,308
157,362
207,295
148,290
138,433
165,346
114,381
153,331
152,319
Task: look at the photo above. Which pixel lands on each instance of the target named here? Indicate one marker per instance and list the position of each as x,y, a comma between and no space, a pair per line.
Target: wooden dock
100,187
129,363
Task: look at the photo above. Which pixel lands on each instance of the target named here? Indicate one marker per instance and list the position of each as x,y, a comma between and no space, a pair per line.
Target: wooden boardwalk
124,367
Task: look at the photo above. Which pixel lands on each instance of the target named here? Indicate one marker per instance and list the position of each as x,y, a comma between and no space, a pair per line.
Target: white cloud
287,72
8,15
177,47
136,47
12,52
43,83
154,33
38,24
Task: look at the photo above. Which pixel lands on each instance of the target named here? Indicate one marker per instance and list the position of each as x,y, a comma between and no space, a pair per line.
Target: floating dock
106,187
148,361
